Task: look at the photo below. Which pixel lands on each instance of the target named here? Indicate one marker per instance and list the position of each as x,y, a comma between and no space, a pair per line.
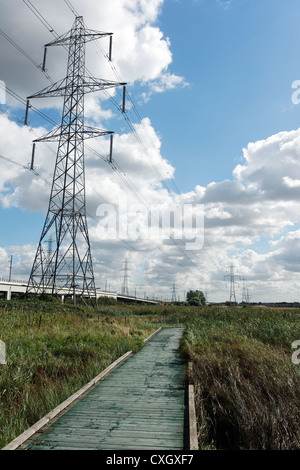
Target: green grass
247,388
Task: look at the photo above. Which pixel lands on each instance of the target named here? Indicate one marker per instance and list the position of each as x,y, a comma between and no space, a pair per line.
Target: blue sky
240,63
212,82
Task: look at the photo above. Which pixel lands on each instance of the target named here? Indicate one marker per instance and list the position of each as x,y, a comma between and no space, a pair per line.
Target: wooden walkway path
139,405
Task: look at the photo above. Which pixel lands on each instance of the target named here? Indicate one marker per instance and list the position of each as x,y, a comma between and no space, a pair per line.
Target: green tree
195,297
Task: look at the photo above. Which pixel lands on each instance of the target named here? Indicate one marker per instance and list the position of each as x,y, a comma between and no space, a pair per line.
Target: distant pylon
174,297
244,291
125,278
69,269
232,278
248,297
245,295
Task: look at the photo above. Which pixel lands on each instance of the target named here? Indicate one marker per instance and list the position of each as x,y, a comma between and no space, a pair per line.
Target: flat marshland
247,387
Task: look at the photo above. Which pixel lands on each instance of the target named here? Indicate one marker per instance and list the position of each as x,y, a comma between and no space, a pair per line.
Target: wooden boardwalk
140,405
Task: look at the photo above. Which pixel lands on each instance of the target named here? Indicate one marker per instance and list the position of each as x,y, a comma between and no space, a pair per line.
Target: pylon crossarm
90,132
56,89
87,85
68,38
91,84
57,132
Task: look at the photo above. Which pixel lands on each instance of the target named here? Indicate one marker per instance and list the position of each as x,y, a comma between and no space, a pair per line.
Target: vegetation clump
195,297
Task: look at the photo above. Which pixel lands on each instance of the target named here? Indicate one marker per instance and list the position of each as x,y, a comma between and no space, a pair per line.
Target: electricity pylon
232,278
248,297
69,269
173,292
125,278
244,292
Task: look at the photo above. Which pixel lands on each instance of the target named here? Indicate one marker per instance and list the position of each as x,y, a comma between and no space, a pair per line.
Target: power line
69,4
141,122
24,53
19,49
25,168
23,101
139,140
40,17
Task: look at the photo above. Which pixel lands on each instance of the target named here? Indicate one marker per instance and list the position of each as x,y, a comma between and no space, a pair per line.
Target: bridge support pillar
8,294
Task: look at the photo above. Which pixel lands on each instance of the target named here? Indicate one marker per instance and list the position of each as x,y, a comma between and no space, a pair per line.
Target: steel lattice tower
125,290
232,278
68,270
244,292
173,292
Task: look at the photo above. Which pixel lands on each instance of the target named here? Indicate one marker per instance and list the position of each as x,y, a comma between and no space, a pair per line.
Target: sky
211,128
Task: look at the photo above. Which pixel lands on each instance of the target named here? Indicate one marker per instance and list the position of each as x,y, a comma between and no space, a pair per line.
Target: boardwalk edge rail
193,435
18,441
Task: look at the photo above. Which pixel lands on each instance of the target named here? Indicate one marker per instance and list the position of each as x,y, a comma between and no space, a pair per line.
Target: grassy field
247,386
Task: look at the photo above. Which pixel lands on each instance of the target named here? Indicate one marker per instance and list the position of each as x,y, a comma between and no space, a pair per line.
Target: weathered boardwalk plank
140,405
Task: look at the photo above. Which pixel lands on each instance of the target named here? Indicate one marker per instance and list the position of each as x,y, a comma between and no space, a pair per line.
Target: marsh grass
247,388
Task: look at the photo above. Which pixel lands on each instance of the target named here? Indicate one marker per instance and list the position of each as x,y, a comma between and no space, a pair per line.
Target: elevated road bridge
14,288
